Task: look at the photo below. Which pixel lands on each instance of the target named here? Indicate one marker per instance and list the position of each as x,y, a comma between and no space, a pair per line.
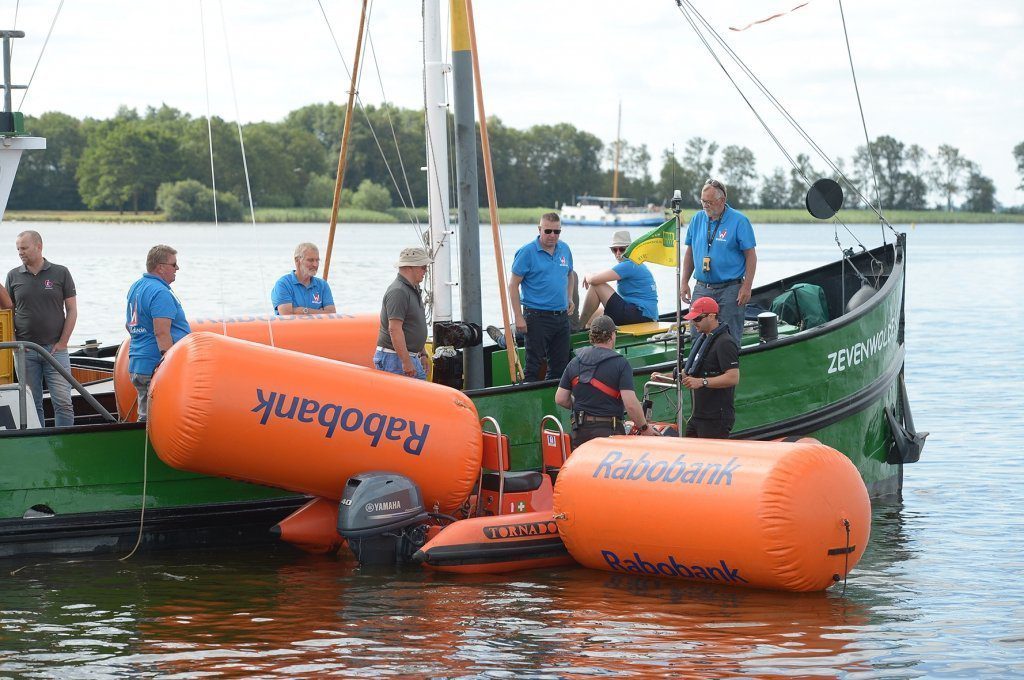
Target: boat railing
20,347
561,437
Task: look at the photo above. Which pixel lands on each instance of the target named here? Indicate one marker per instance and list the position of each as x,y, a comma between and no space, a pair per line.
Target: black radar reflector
824,198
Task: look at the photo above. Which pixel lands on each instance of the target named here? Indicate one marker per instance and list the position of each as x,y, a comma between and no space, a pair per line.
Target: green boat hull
833,383
99,488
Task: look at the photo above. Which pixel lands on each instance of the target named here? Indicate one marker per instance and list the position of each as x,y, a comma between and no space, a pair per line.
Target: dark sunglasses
618,249
552,231
714,183
698,319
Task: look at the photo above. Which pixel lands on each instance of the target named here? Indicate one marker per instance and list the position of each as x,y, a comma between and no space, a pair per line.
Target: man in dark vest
597,387
712,371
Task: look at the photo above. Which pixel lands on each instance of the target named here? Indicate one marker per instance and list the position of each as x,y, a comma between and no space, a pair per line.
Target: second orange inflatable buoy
342,337
231,408
782,515
313,527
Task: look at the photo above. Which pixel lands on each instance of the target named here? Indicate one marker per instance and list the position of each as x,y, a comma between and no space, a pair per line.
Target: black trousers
582,434
547,338
710,428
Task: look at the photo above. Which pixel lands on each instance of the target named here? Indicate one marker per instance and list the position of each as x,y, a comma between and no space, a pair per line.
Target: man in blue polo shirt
720,250
301,291
542,269
154,319
635,297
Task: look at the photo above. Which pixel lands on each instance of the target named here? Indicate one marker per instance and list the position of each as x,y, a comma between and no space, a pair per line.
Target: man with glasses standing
720,252
712,371
155,320
45,311
542,269
636,298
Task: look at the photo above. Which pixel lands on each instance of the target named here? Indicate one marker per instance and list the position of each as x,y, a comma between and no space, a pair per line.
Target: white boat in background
612,211
607,211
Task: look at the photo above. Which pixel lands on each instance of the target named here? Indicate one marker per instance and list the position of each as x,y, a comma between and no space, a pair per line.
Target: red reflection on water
315,616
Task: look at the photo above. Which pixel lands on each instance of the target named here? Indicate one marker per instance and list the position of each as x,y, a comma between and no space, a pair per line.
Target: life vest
589,359
701,346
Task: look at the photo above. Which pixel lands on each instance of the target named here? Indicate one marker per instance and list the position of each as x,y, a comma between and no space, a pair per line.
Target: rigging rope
769,96
693,17
213,173
863,121
391,124
245,164
373,133
42,50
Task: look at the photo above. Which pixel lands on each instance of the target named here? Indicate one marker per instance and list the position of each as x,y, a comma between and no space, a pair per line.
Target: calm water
938,592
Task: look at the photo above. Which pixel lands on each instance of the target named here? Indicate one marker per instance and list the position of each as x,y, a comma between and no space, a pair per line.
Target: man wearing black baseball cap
597,387
712,371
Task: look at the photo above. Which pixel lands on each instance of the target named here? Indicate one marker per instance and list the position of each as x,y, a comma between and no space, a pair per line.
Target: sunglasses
698,319
618,249
552,231
714,183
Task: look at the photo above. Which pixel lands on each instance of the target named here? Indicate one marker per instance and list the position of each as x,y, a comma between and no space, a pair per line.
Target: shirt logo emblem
721,234
316,298
48,284
563,262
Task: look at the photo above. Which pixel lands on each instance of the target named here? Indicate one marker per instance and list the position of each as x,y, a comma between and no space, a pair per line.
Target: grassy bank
509,216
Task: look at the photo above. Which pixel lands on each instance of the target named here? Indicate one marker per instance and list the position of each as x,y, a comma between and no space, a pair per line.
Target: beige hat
413,257
621,239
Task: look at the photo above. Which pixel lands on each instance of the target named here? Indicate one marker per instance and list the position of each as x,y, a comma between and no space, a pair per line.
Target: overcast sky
930,72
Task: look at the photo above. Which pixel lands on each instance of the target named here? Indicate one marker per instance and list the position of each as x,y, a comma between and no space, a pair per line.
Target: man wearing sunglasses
712,371
636,297
720,253
154,319
541,271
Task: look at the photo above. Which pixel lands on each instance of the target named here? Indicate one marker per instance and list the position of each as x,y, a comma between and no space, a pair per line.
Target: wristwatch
704,381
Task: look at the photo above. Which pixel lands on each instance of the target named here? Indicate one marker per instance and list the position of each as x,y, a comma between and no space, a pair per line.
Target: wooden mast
346,129
515,371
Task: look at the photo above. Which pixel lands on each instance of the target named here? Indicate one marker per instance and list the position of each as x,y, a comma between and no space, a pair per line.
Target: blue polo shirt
731,234
316,295
636,285
545,283
151,297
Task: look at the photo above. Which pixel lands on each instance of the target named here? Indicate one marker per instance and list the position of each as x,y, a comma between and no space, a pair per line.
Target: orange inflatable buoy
341,337
496,544
226,407
313,528
781,515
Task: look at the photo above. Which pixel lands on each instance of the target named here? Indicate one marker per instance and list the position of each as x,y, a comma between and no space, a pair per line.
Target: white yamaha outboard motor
382,517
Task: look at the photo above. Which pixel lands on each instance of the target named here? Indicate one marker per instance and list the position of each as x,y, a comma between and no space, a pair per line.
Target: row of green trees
120,164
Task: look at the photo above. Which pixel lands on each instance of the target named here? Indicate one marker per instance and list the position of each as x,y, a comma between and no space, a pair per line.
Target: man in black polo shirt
712,371
598,386
45,312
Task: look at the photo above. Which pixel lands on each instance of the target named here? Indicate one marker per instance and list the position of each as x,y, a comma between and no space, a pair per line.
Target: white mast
436,105
12,138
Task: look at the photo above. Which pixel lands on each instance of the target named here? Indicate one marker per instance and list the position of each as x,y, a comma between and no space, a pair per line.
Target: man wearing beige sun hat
403,321
635,297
